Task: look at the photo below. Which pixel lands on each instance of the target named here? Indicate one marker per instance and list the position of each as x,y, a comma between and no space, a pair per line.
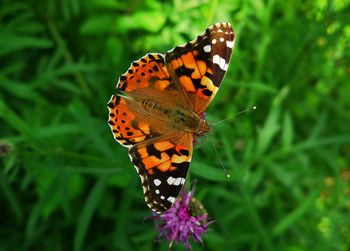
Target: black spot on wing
207,92
184,152
181,166
152,151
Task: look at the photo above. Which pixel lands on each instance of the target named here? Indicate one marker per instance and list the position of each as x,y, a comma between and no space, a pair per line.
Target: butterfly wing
184,82
162,165
199,66
137,117
145,91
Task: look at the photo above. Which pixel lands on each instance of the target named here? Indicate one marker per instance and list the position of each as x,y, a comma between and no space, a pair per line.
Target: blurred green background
65,184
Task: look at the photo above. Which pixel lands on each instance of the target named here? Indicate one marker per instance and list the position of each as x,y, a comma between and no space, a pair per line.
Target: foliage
66,185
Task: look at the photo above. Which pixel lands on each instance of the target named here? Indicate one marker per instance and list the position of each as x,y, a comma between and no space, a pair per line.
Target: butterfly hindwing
200,65
162,166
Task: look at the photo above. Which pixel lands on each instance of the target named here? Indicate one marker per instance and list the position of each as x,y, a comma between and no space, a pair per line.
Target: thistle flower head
185,220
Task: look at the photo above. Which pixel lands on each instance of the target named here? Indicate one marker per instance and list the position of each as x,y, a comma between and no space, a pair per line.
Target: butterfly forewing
199,66
147,90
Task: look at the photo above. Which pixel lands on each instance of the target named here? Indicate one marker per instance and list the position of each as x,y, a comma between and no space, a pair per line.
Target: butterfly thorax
188,121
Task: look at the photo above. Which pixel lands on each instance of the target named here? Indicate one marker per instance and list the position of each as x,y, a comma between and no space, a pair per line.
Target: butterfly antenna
234,115
217,154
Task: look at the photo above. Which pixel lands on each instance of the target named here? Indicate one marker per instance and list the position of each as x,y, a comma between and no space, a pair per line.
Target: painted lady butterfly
159,107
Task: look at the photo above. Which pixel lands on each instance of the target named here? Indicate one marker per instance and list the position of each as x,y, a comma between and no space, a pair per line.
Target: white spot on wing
220,62
222,39
162,197
170,180
207,48
216,59
177,181
230,44
157,182
171,199
157,191
213,41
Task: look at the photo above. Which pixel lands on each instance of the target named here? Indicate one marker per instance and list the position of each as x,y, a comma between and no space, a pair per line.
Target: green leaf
295,215
151,21
89,208
96,25
15,121
108,4
10,43
269,130
56,131
19,90
272,124
208,172
287,131
115,49
11,197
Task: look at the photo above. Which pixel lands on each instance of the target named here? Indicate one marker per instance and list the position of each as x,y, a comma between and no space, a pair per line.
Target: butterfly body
158,111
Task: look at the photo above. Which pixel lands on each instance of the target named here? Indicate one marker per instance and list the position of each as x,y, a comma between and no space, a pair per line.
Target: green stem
255,218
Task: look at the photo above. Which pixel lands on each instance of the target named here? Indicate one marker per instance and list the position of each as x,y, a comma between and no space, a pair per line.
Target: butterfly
159,110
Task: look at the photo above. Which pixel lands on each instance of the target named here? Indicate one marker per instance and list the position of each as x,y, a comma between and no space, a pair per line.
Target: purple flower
186,219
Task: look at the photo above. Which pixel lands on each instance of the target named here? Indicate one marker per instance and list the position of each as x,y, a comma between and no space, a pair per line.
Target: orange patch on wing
164,166
196,74
153,161
188,59
144,127
178,159
143,152
120,120
172,168
123,107
208,83
187,83
175,64
141,84
162,84
138,138
180,147
164,145
190,62
202,67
